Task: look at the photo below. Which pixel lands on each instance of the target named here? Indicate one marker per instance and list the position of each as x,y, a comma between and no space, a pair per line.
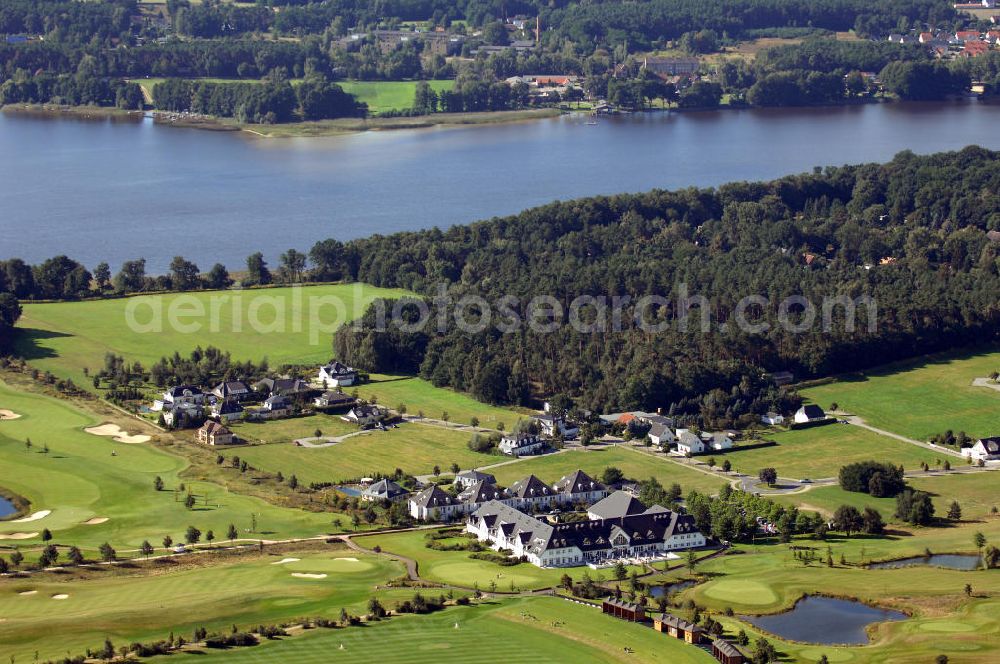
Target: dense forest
912,234
919,235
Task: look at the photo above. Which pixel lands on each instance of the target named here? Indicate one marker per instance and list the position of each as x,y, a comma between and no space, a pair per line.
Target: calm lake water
6,507
102,190
825,620
957,561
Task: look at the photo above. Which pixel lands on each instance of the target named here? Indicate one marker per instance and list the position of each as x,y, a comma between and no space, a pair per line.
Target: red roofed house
926,37
972,49
967,35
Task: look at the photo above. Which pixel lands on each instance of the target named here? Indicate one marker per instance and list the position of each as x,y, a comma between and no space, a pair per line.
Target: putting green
814,655
741,591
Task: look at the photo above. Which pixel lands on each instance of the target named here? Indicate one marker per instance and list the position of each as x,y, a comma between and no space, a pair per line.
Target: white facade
986,449
689,443
772,419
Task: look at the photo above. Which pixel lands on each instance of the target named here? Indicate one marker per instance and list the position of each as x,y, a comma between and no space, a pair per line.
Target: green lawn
820,452
148,607
389,95
768,578
527,631
923,397
80,479
415,448
418,395
635,465
285,325
293,428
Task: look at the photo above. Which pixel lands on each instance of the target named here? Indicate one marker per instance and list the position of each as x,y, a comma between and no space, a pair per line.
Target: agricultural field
384,96
415,448
149,603
285,325
921,398
419,395
635,465
819,452
85,478
531,630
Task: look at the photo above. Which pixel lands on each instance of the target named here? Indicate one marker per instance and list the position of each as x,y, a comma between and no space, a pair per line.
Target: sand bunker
60,596
34,517
28,592
8,414
286,560
303,575
117,434
349,560
17,536
95,521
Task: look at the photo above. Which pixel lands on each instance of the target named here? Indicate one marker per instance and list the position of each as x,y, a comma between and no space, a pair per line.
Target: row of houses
474,490
723,651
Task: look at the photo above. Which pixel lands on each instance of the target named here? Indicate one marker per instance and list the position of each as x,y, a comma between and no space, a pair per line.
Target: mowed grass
527,630
85,476
419,395
389,95
293,428
414,448
923,397
285,325
149,607
635,465
767,579
819,452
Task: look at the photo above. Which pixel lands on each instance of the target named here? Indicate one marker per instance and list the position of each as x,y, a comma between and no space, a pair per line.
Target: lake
6,507
825,620
964,562
115,190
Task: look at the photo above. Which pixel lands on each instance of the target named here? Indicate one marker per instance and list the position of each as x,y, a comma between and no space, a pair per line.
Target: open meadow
384,96
83,477
419,395
291,325
819,452
148,604
414,448
633,464
922,397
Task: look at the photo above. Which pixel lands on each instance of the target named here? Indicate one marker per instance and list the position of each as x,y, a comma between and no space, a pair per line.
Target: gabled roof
335,368
578,482
530,487
432,497
276,401
336,397
476,476
384,489
230,387
229,407
211,428
482,492
618,504
812,411
184,390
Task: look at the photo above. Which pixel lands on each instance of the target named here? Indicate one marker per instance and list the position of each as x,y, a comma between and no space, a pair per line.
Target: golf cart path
859,422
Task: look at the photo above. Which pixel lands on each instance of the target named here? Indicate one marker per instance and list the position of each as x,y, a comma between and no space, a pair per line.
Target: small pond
6,507
825,620
349,490
670,589
957,561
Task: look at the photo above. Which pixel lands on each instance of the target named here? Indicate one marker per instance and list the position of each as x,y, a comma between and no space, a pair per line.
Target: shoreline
310,129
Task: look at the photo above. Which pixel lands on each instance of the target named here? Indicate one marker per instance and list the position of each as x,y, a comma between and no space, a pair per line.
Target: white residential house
227,411
383,490
661,436
181,395
433,504
772,418
275,407
689,442
521,444
552,425
468,478
717,441
213,433
332,399
809,413
985,449
579,487
337,374
366,414
232,389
